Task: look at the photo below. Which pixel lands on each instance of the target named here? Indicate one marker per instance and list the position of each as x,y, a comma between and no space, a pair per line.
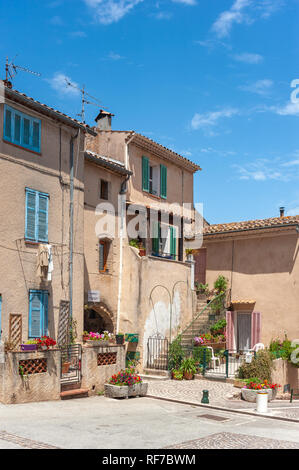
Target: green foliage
188,366
134,242
73,331
202,288
220,285
283,350
260,367
175,354
217,305
201,354
189,251
218,327
177,374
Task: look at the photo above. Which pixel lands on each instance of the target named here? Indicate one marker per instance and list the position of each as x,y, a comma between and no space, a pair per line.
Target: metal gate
71,356
223,365
157,352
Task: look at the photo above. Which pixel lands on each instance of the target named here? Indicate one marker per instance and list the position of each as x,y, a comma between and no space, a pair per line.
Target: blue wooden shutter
45,313
35,314
31,207
36,135
8,124
145,174
42,218
17,128
163,183
173,241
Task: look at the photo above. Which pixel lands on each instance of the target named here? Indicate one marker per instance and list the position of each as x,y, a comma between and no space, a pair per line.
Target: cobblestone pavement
191,390
220,394
227,440
24,442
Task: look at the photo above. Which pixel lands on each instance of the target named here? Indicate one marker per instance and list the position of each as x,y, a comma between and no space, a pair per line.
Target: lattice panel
106,359
63,326
33,366
15,329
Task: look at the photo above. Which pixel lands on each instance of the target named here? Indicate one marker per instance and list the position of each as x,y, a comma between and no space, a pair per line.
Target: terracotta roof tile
251,225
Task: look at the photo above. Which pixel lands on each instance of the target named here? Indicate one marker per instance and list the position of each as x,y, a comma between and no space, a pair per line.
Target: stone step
75,393
70,386
156,372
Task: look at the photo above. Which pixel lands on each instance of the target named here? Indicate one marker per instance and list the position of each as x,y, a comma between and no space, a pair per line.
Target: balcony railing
162,254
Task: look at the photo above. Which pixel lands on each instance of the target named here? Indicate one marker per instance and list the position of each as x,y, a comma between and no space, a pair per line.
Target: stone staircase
203,320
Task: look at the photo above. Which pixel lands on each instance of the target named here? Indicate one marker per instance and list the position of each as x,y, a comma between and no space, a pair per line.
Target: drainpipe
71,240
122,193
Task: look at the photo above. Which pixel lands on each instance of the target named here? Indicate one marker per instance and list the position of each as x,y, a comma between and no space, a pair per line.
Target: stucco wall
93,376
265,269
285,374
35,387
49,173
147,315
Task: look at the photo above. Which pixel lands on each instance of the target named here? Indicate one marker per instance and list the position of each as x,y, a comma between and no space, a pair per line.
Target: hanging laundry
50,263
42,260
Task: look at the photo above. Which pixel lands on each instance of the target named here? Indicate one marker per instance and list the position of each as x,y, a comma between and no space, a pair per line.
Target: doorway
96,319
243,331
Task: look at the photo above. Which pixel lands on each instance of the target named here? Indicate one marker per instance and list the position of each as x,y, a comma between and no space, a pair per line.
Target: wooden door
200,265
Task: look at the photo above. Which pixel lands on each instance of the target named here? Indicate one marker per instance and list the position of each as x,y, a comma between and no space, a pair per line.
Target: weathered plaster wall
37,387
264,269
147,316
285,374
49,173
93,376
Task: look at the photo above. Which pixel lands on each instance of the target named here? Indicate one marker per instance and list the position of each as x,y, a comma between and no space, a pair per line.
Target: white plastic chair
213,358
258,346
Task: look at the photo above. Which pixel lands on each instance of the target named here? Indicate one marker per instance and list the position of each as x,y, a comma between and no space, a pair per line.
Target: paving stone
226,440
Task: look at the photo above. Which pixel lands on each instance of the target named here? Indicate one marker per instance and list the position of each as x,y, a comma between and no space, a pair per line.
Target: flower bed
99,339
249,392
126,383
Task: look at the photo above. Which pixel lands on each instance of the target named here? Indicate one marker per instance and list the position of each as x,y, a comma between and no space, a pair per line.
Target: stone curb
213,407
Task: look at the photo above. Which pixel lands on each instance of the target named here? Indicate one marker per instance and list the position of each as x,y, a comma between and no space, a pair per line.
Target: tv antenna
11,70
85,99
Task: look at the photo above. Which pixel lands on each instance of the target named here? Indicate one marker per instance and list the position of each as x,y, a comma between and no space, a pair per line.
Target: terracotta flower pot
188,376
65,367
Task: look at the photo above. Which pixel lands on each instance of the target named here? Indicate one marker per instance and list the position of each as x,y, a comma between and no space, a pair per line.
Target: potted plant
189,255
198,341
120,338
177,374
188,368
30,345
99,339
142,250
45,342
85,336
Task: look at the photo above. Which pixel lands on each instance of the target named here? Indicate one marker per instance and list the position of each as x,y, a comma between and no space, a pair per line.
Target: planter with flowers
99,339
126,383
45,342
249,392
30,345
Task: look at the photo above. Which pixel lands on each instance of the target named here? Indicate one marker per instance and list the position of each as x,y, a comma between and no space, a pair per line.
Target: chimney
281,210
103,120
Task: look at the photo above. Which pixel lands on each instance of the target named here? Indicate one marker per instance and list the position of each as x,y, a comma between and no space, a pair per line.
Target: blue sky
210,79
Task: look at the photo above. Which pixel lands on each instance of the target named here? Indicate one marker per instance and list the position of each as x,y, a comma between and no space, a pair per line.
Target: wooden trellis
15,329
64,323
106,359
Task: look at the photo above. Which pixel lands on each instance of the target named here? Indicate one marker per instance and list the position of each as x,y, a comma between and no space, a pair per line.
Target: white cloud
290,109
248,58
115,56
211,118
261,87
244,11
111,11
60,81
78,34
235,14
294,211
265,170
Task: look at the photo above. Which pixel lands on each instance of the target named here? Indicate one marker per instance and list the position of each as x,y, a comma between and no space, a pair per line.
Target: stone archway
98,318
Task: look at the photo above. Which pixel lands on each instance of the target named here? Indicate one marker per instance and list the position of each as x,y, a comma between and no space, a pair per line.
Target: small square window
104,189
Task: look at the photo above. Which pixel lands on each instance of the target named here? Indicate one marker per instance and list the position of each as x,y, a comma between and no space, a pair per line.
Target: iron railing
71,356
157,353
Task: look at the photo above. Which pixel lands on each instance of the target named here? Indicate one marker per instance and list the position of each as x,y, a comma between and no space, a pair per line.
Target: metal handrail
203,310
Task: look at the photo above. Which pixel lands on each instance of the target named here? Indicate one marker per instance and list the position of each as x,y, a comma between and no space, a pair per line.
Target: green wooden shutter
156,237
145,174
173,241
163,183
